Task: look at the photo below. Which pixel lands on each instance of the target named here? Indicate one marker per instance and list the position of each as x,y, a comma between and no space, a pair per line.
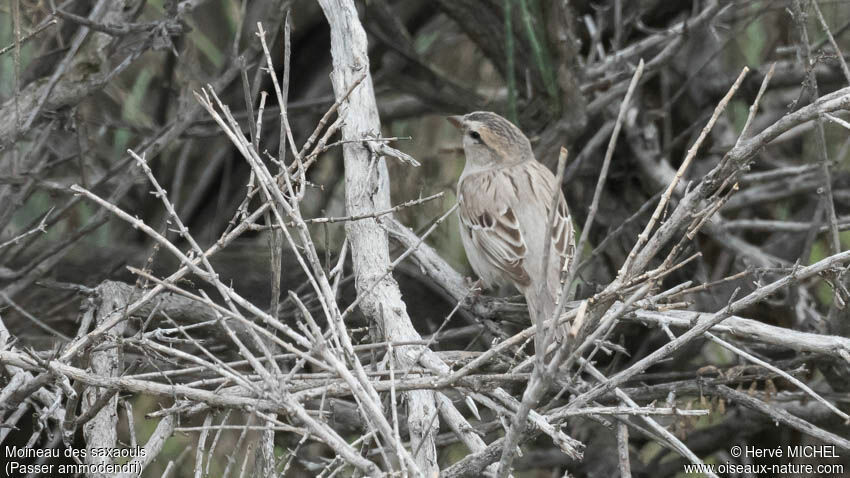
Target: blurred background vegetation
547,65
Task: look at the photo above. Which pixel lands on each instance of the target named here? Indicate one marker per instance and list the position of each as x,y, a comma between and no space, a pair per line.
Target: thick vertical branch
101,432
366,191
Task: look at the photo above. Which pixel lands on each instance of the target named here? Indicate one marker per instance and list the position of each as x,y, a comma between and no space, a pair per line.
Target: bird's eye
474,135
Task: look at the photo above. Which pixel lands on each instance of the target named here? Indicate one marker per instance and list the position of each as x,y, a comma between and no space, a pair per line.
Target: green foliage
453,454
822,291
738,110
511,67
423,42
7,60
540,51
132,110
754,39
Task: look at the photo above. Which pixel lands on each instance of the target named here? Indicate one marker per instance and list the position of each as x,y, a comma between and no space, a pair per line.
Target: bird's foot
476,287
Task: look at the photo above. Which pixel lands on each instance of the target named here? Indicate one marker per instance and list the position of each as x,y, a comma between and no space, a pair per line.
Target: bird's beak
456,121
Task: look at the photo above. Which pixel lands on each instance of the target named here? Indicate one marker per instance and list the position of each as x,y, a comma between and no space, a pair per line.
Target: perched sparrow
504,198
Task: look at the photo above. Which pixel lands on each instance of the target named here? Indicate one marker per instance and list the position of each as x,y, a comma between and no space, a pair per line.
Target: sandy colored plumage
504,197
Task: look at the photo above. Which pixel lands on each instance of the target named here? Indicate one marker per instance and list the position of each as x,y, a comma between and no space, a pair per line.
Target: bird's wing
543,185
562,232
486,209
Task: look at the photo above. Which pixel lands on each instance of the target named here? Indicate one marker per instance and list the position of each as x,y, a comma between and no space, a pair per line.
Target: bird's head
490,140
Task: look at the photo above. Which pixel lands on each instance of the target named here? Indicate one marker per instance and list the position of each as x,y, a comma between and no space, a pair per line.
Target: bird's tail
541,307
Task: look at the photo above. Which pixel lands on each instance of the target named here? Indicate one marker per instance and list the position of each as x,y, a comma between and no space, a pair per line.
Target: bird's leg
476,288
